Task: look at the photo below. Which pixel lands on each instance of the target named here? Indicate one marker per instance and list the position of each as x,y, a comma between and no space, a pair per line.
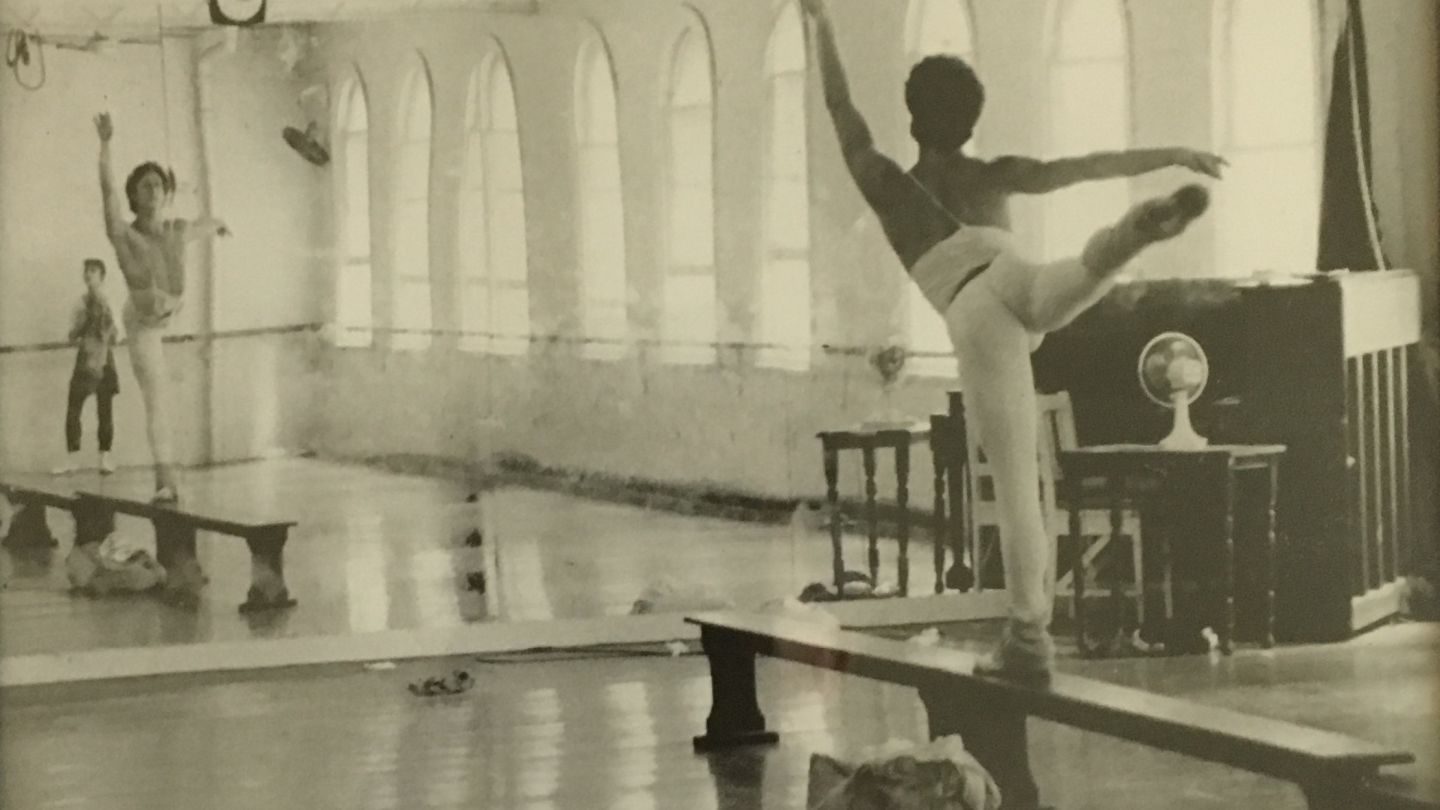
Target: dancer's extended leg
995,323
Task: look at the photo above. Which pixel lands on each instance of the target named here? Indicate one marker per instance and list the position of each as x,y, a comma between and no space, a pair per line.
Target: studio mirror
462,359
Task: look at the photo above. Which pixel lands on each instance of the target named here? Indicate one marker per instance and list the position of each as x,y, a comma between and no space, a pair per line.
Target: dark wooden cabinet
1321,367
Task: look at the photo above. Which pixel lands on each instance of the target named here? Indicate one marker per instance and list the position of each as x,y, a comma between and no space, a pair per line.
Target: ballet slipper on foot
1167,217
1025,654
1146,223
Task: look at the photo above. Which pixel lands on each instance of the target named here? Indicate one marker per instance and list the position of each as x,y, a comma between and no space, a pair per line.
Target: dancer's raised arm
114,209
873,171
1025,175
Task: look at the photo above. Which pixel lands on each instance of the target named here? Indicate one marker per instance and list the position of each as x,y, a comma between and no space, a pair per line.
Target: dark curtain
1350,239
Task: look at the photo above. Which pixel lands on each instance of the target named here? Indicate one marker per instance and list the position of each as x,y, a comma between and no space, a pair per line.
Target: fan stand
1182,435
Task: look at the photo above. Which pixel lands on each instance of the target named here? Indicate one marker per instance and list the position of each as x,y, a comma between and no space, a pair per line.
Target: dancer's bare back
942,192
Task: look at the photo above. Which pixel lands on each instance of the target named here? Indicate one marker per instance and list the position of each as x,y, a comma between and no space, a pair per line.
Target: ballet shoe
1167,217
1024,654
166,495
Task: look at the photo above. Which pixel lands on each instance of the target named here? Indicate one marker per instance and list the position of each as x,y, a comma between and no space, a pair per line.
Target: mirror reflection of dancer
948,223
151,253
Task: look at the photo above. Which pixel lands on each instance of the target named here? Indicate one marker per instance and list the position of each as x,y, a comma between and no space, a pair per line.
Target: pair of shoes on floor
454,685
72,465
1025,654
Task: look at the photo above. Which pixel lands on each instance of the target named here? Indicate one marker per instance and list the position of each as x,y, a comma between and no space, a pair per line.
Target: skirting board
474,639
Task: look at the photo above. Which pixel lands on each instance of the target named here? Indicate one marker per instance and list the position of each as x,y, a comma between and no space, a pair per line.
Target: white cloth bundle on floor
669,596
903,775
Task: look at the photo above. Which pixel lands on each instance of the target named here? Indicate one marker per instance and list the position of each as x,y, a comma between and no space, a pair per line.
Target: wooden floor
614,734
377,551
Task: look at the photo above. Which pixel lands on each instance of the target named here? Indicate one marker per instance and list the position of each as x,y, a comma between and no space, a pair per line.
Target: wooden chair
1056,432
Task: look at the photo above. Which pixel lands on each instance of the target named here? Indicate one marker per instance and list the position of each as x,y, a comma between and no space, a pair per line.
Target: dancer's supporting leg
147,353
995,323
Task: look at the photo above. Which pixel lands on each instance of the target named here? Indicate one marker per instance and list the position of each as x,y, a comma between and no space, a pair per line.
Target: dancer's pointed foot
1144,224
1168,217
1025,654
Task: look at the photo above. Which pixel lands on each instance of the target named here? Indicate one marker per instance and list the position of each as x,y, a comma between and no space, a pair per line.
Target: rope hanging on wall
17,57
164,83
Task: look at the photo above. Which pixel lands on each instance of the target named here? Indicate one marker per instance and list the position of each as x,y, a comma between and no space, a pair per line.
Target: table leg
1270,554
902,504
940,531
1227,633
872,514
832,497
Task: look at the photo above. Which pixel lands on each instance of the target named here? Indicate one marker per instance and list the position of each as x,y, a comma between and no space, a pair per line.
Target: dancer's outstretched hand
814,8
1201,162
103,127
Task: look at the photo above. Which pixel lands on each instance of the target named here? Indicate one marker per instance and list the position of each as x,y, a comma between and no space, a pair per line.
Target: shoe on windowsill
71,464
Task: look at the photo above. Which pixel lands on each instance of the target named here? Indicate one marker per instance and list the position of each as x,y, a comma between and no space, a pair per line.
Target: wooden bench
29,526
990,714
175,530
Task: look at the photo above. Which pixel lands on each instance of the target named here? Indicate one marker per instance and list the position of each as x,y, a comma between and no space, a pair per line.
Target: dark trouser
80,390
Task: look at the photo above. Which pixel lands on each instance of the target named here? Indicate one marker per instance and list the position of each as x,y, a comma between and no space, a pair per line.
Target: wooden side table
868,439
1125,468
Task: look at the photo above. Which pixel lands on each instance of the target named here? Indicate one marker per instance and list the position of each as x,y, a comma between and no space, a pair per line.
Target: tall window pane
411,305
605,295
785,307
1089,112
689,325
495,299
1268,209
354,314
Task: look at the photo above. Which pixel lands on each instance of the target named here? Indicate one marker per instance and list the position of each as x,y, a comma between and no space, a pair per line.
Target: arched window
411,305
931,27
1089,112
689,325
1268,209
602,218
494,260
354,313
785,319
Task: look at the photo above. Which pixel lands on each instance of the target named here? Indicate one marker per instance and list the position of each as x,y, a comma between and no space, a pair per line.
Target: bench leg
267,572
735,717
29,528
175,551
993,733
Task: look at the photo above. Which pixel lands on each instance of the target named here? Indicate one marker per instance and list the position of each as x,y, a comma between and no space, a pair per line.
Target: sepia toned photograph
606,404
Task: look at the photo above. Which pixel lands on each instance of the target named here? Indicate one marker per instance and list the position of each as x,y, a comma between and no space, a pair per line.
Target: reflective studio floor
379,551
613,733
599,729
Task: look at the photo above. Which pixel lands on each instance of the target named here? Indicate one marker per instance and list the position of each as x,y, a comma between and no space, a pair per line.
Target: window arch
1268,209
605,295
1089,111
933,26
689,325
354,312
494,257
412,313
785,306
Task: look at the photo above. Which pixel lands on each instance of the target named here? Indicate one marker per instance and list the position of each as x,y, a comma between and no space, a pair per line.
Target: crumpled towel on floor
112,568
902,775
